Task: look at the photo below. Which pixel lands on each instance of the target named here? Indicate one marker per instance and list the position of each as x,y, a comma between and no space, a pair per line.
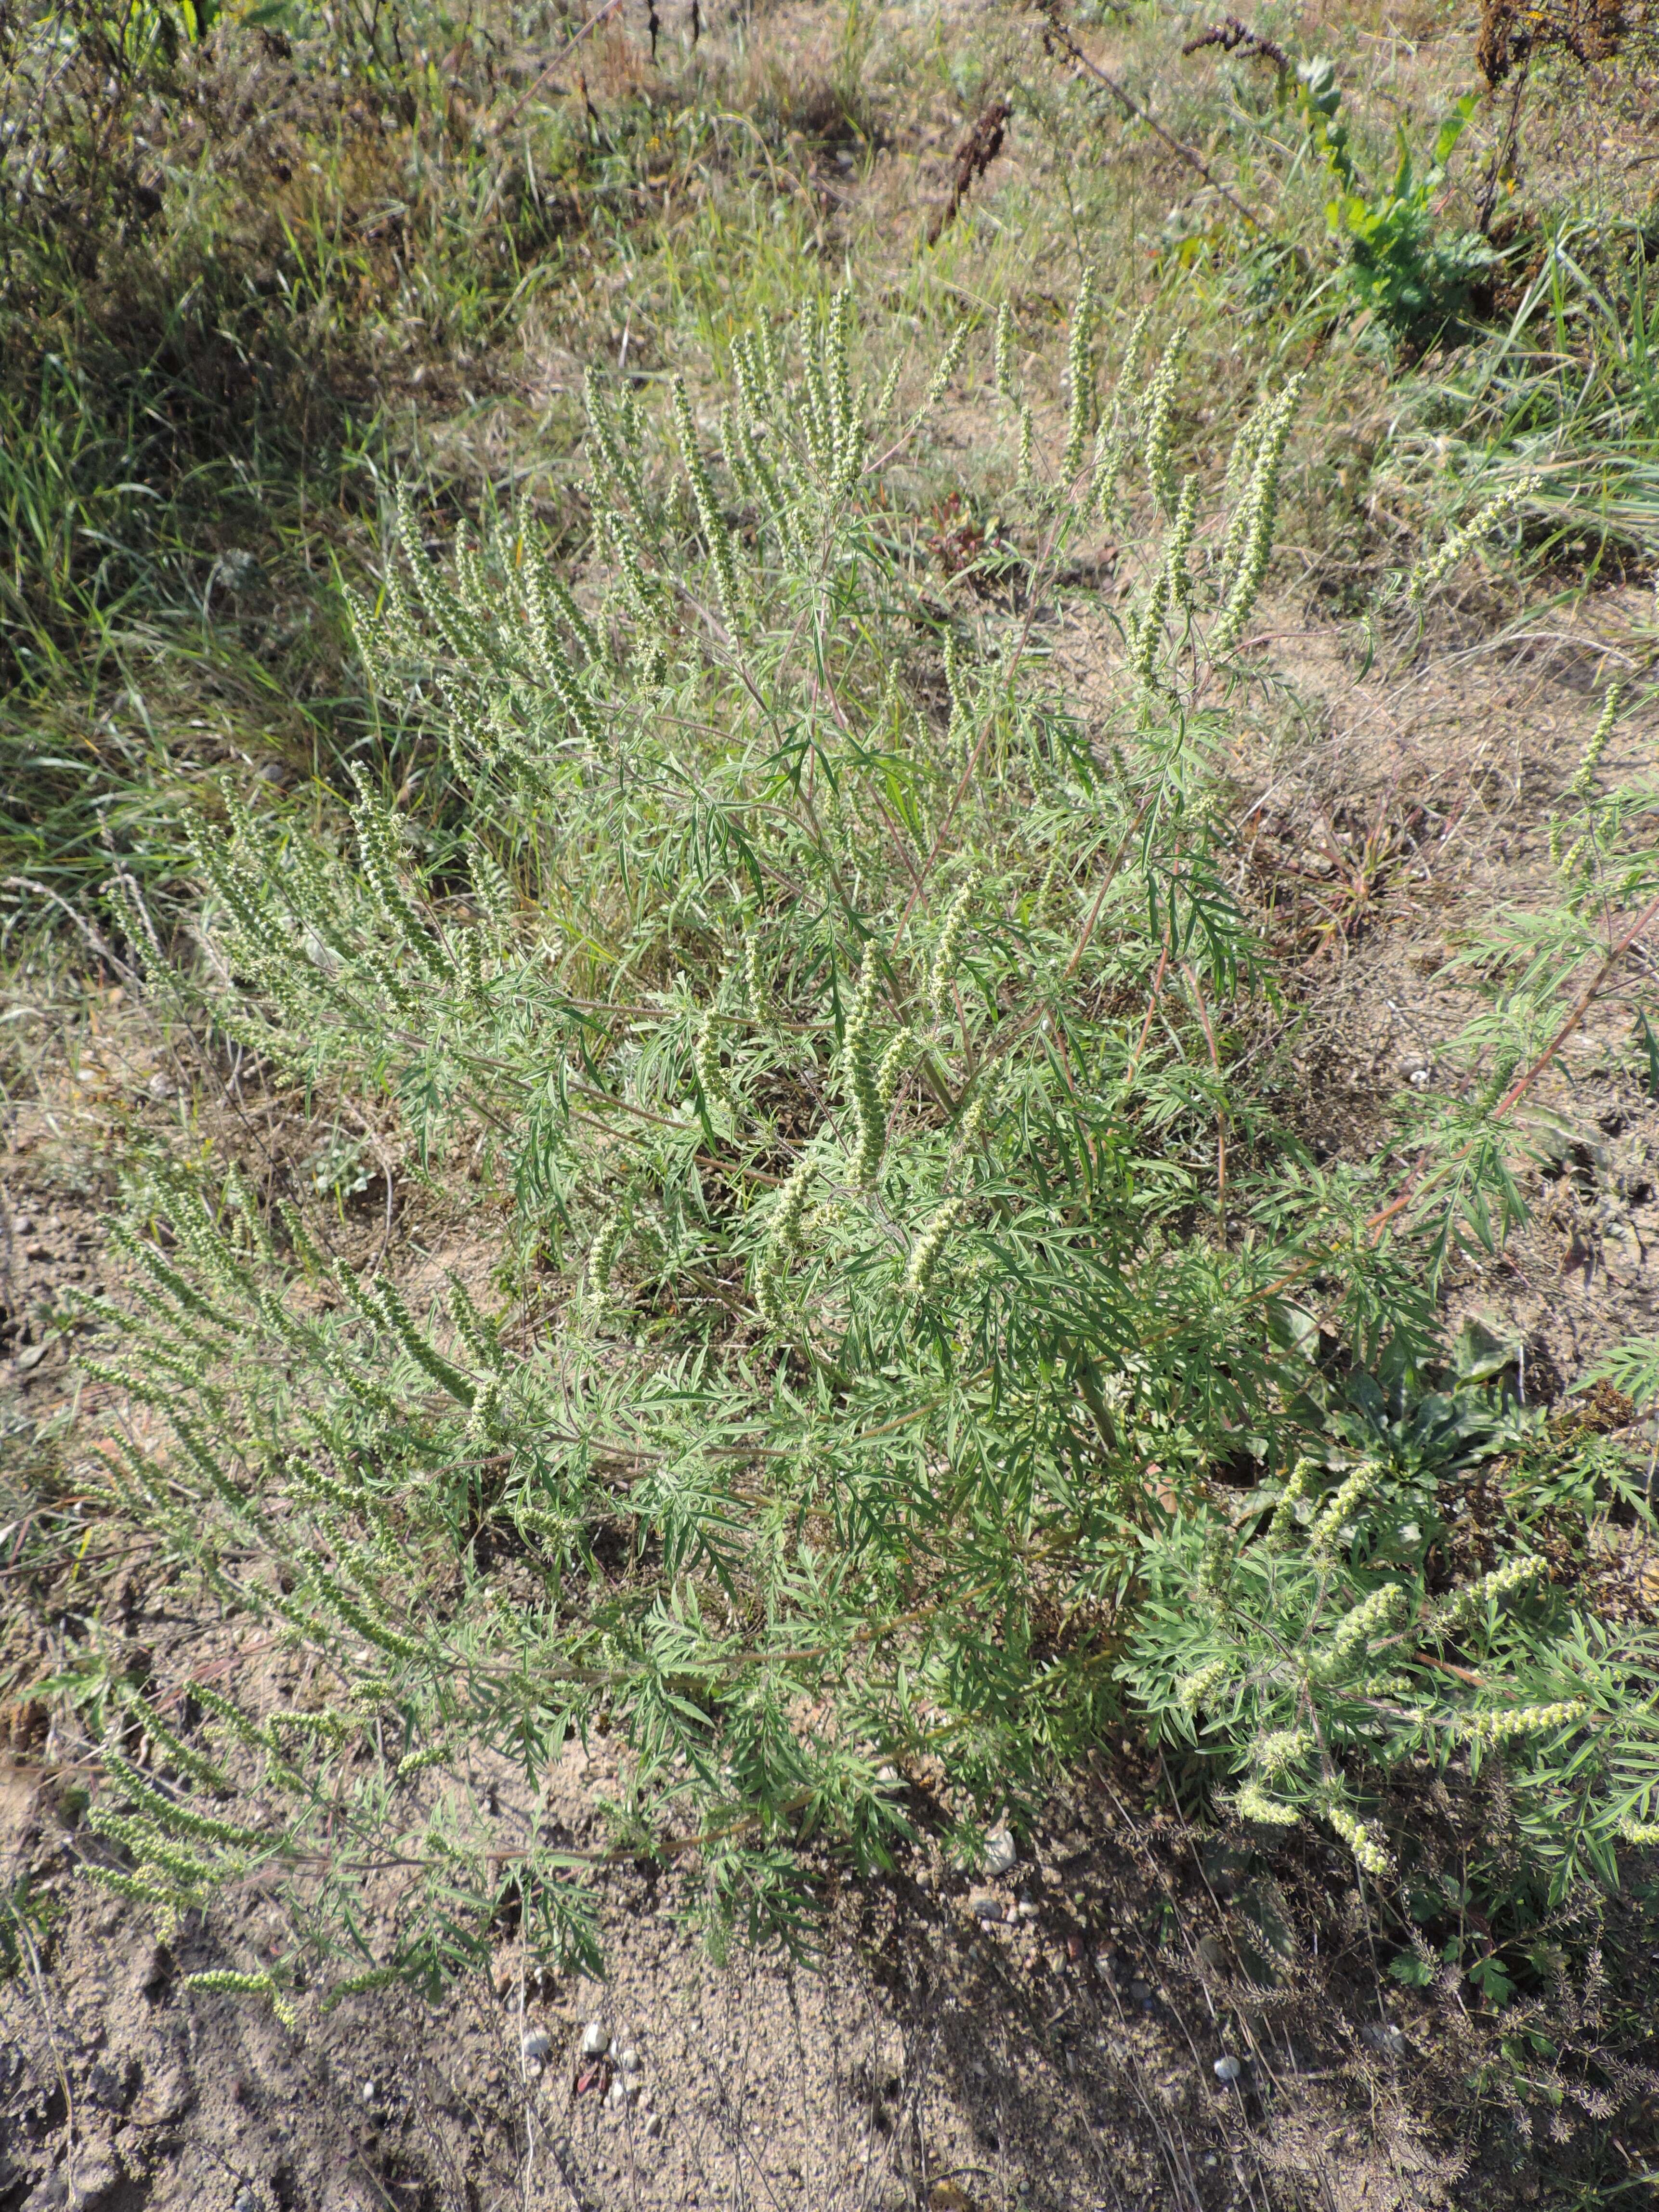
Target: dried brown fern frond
973,158
1511,33
1233,37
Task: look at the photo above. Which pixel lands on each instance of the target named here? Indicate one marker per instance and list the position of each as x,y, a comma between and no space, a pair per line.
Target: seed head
1500,1728
1197,1689
950,361
1160,422
1584,781
1466,1606
1427,574
1079,377
1252,1803
924,1254
949,949
1379,1614
1005,351
863,1078
1361,1841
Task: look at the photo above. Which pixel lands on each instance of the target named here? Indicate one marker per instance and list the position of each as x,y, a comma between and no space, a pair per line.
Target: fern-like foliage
1319,1667
889,1255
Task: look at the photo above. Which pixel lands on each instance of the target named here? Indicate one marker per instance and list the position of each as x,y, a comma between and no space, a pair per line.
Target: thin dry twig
1504,151
103,952
503,121
1057,34
38,1977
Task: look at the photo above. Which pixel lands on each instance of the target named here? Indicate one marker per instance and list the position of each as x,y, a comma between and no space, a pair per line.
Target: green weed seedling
1399,265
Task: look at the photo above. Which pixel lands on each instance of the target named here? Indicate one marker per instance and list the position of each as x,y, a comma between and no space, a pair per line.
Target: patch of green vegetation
864,1053
895,1252
1400,262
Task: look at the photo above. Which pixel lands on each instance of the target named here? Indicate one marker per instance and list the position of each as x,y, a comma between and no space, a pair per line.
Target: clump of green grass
1559,396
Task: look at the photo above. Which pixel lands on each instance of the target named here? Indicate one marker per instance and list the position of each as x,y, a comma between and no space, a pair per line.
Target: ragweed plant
1542,971
887,1252
1323,1675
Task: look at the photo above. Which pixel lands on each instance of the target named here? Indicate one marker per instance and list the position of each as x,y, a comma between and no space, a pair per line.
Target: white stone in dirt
618,2094
596,2039
1229,2068
631,2060
535,2045
1001,1852
97,2177
165,2096
984,1905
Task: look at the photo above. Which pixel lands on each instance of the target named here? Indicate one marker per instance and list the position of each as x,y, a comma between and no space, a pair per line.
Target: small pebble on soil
1001,1853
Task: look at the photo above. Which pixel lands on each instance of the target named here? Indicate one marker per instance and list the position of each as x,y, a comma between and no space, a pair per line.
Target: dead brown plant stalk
973,158
1057,34
1235,37
1511,31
